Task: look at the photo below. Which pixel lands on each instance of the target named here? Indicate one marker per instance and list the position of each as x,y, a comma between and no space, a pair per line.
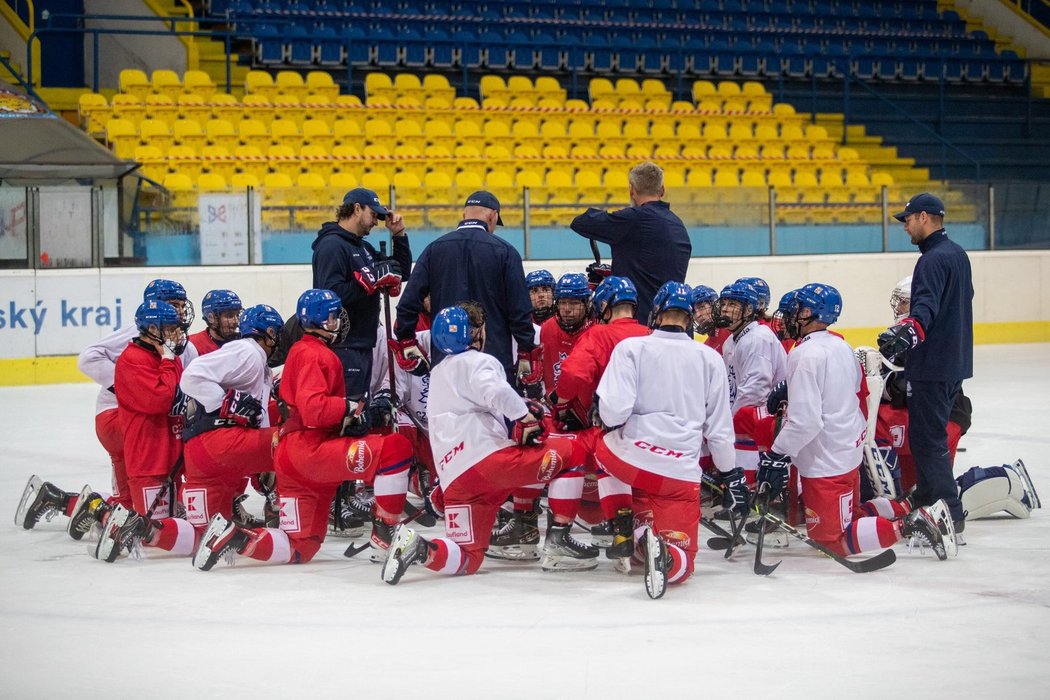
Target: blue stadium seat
551,57
440,48
300,47
469,47
269,46
330,46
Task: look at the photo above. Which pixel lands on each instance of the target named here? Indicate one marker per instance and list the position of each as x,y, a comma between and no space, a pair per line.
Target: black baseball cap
368,198
481,198
922,202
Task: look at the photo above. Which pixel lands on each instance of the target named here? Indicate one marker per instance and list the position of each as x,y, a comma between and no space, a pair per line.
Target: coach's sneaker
406,548
922,531
40,499
88,511
123,530
222,540
657,563
563,552
379,541
518,538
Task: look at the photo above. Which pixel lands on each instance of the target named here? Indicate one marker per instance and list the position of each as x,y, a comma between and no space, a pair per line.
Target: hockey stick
724,538
414,515
735,540
863,566
594,249
169,487
762,506
389,351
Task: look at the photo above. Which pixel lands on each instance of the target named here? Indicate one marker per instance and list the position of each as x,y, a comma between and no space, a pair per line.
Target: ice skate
774,537
123,530
922,531
343,520
242,517
657,564
379,542
942,518
622,547
87,513
406,548
222,539
517,539
40,499
563,552
602,534
1031,498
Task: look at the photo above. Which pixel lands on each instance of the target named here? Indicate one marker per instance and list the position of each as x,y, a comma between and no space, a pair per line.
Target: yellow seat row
165,82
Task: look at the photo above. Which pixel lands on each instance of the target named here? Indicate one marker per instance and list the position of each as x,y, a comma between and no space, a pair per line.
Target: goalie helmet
822,299
450,332
612,291
319,308
900,299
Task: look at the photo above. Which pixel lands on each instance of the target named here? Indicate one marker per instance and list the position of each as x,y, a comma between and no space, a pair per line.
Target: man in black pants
347,264
649,243
938,332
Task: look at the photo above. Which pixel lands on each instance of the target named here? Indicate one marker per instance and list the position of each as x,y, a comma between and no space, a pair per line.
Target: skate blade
514,553
655,580
107,549
942,517
32,486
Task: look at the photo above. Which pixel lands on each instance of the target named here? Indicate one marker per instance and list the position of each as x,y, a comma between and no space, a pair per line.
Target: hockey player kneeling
323,443
660,397
479,459
823,435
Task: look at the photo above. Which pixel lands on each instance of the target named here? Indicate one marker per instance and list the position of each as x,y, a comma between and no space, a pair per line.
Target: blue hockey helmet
164,290
822,299
539,278
218,300
156,313
740,291
704,294
761,288
672,295
450,332
572,285
317,308
783,322
261,321
612,291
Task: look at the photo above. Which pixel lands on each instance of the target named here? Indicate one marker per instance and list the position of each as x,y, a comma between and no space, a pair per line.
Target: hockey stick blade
735,540
724,537
419,515
862,566
352,551
762,506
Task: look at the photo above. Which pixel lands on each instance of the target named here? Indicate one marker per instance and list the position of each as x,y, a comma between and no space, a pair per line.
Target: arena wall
48,316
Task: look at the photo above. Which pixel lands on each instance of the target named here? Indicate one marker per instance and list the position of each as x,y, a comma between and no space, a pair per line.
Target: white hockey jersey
667,393
824,429
756,362
412,391
469,399
99,362
238,364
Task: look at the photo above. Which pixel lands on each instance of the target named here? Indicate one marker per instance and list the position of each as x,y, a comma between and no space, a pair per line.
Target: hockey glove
772,472
355,422
381,411
409,357
734,490
529,429
388,277
900,338
597,272
241,408
529,373
778,396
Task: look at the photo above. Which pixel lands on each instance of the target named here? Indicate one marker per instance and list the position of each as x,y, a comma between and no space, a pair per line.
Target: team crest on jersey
549,466
458,526
196,504
358,457
290,514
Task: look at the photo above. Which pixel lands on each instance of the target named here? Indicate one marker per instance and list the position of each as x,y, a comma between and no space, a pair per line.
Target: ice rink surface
976,626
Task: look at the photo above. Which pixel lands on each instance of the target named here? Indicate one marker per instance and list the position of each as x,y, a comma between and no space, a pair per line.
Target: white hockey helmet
900,299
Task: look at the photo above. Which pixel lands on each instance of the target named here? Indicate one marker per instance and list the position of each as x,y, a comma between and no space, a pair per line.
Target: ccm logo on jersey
358,457
450,454
657,450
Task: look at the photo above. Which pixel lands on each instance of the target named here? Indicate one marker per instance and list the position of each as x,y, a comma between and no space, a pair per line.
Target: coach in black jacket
346,263
940,329
649,243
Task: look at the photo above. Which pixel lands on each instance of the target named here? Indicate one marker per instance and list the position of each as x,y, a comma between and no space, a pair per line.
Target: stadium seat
316,133
94,112
134,82
123,137
194,108
129,107
197,82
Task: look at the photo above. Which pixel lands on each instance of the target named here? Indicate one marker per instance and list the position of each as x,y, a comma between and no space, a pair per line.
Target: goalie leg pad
985,491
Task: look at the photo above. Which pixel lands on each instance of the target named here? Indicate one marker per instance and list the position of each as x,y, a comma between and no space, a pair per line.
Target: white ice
977,626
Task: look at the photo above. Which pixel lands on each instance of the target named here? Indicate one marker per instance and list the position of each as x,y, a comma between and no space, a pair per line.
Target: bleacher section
895,40
304,145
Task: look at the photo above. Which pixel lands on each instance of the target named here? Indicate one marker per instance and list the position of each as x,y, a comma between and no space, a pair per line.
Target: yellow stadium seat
710,105
377,182
501,184
467,182
211,182
791,133
342,182
715,135
752,178
217,160
320,82
153,162
560,188
161,107
523,102
637,134
783,109
610,133
526,152
123,137
166,82
667,150
289,106
555,152
257,106
312,189
409,190
703,89
346,130
319,107
822,153
193,108
437,153
197,82
438,132
183,193
727,176
252,132
601,89
219,132
408,132
259,82
317,133
758,102
741,132
493,86
548,87
349,101
583,153
797,151
436,104
290,82
242,181
628,89
226,107
616,181
284,160
183,159
817,134
155,132
437,185
661,133
589,187
553,132
379,131
465,103
94,112
467,156
436,85
188,133
409,160
526,134
134,82
494,103
249,159
467,132
734,105
379,159
609,150
771,150
130,107
727,88
408,85
674,179
689,133
278,191
521,86
528,178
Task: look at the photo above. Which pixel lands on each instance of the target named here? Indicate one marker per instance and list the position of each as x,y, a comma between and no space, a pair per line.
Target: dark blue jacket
472,264
942,303
337,255
649,244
